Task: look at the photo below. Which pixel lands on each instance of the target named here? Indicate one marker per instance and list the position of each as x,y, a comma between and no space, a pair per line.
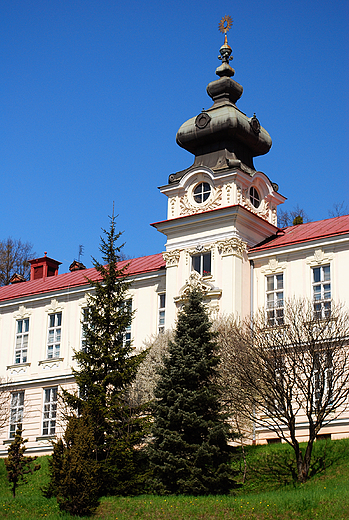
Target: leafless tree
338,209
296,372
14,258
142,390
4,403
296,215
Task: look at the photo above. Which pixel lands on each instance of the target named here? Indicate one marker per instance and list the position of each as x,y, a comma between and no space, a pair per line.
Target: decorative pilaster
171,257
232,246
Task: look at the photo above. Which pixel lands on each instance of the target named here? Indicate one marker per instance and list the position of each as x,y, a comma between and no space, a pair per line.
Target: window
50,411
275,300
322,378
127,333
202,192
84,322
54,335
161,319
22,334
202,263
254,197
322,291
16,412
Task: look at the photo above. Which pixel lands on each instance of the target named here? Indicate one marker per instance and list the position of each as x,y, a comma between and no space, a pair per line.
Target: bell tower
220,205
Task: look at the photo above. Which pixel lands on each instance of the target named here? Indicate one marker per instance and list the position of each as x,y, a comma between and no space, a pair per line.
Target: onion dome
223,137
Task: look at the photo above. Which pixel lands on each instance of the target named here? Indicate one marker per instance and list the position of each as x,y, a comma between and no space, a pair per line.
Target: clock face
255,125
202,120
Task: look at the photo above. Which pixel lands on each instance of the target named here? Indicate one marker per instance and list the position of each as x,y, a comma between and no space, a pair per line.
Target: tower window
254,197
202,263
202,192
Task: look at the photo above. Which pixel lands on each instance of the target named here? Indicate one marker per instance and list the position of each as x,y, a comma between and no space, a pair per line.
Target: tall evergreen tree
106,367
190,453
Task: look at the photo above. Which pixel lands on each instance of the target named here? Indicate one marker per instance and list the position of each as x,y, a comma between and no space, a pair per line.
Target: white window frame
84,322
127,336
16,412
54,335
322,376
22,339
321,290
274,299
198,263
161,313
49,417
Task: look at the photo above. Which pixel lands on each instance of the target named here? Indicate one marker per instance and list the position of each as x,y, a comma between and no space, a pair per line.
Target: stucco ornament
195,281
273,266
188,207
54,306
22,313
171,257
231,246
319,258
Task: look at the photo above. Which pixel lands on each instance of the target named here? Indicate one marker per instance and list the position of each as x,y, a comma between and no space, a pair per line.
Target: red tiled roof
305,233
144,264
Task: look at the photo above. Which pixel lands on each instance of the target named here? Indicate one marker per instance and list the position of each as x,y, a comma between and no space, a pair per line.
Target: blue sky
92,94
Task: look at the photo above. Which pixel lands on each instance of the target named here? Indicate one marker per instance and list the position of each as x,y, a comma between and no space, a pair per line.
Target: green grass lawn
269,493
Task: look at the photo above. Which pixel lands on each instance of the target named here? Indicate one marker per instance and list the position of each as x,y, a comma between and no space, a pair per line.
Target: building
221,232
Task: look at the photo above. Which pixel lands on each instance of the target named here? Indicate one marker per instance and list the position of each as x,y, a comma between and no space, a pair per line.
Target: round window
254,197
202,192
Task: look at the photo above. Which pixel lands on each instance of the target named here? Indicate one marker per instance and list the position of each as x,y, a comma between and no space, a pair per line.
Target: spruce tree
17,464
106,367
189,453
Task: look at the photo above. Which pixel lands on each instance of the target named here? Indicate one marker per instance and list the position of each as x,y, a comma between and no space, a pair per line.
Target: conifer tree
17,464
106,367
190,453
74,469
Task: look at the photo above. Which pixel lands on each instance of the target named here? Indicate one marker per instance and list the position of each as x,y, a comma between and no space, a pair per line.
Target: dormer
43,267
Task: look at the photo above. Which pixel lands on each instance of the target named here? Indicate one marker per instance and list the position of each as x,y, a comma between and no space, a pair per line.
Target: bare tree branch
338,209
14,258
5,395
296,215
299,370
142,390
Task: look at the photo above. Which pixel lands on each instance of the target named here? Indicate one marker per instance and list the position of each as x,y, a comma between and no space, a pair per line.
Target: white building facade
221,231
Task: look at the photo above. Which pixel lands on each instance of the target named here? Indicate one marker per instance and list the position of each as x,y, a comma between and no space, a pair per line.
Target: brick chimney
43,267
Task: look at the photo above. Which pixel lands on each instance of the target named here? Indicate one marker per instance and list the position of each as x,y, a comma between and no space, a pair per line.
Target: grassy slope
268,493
